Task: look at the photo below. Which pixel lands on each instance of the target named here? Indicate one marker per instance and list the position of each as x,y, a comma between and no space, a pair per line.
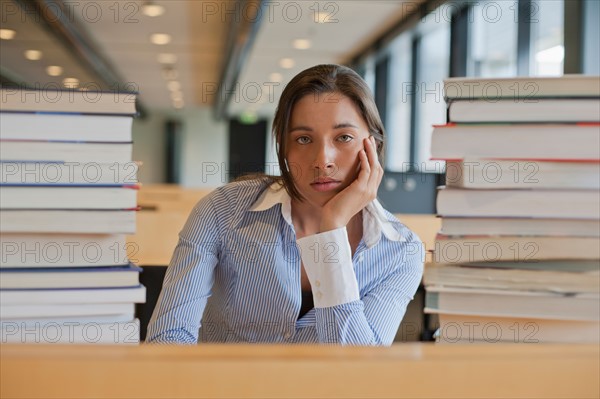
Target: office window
432,67
368,75
397,157
493,39
547,37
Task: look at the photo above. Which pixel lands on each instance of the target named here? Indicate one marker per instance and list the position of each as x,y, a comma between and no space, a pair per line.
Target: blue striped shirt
236,271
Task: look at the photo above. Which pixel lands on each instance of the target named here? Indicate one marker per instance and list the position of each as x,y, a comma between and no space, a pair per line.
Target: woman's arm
345,316
188,281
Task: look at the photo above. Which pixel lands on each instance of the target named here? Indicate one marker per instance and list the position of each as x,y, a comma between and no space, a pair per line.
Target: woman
308,257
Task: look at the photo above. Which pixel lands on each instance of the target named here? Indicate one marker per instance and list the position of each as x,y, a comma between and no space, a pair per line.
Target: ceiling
120,33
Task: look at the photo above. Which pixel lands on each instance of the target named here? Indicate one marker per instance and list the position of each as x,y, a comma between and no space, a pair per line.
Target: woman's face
325,134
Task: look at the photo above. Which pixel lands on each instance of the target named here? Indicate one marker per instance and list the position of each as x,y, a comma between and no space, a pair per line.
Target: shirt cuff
327,259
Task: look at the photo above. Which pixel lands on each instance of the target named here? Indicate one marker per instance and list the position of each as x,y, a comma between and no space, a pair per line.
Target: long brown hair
326,78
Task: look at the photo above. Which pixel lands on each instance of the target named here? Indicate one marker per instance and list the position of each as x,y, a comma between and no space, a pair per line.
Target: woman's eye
345,138
303,140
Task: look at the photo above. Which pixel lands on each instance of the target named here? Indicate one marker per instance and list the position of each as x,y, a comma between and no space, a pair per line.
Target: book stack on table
517,258
68,197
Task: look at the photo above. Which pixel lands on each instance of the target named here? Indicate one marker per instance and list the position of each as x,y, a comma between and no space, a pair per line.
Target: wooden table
275,371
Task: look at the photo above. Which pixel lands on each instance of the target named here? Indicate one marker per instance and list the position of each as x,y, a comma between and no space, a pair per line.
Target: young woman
308,257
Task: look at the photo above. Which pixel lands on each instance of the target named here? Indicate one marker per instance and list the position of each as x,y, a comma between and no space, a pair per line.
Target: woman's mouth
325,184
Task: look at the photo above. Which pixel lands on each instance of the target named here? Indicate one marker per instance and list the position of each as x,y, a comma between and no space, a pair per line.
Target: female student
307,257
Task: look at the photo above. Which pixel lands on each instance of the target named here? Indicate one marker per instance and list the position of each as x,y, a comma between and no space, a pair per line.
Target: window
493,39
398,121
432,67
547,37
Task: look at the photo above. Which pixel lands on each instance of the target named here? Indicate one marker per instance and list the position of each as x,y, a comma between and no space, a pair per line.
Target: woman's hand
338,211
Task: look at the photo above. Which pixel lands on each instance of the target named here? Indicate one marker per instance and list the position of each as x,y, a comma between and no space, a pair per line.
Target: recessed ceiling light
160,38
7,34
287,63
167,58
174,85
302,44
33,55
275,77
178,104
71,83
54,70
152,10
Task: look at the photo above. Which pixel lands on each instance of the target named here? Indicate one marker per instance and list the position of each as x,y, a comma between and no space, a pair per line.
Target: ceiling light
160,38
71,83
54,70
287,63
174,85
302,44
152,10
7,34
178,104
167,58
33,55
275,77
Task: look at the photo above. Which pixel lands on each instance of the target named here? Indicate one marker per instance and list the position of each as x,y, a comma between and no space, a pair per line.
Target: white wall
203,149
149,148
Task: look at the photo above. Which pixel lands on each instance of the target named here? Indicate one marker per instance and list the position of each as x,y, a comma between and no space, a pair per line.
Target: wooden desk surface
276,371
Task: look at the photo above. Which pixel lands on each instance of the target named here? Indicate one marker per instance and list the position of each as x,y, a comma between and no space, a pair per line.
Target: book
541,110
511,279
500,174
522,88
502,303
565,265
461,249
520,226
67,197
70,332
102,318
67,221
13,312
73,296
67,101
64,250
457,328
65,127
83,277
65,151
65,173
557,204
522,142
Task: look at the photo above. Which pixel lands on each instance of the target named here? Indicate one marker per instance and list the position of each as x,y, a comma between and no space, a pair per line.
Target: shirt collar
374,219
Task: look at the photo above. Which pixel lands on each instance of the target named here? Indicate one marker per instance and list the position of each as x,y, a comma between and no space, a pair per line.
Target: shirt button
319,294
317,283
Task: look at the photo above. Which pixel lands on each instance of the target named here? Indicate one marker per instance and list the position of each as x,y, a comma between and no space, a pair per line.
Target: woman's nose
324,158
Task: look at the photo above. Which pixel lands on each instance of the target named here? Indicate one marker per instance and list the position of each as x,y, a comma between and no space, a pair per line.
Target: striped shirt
235,275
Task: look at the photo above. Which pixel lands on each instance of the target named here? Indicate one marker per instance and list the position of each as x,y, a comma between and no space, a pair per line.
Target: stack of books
518,255
68,192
